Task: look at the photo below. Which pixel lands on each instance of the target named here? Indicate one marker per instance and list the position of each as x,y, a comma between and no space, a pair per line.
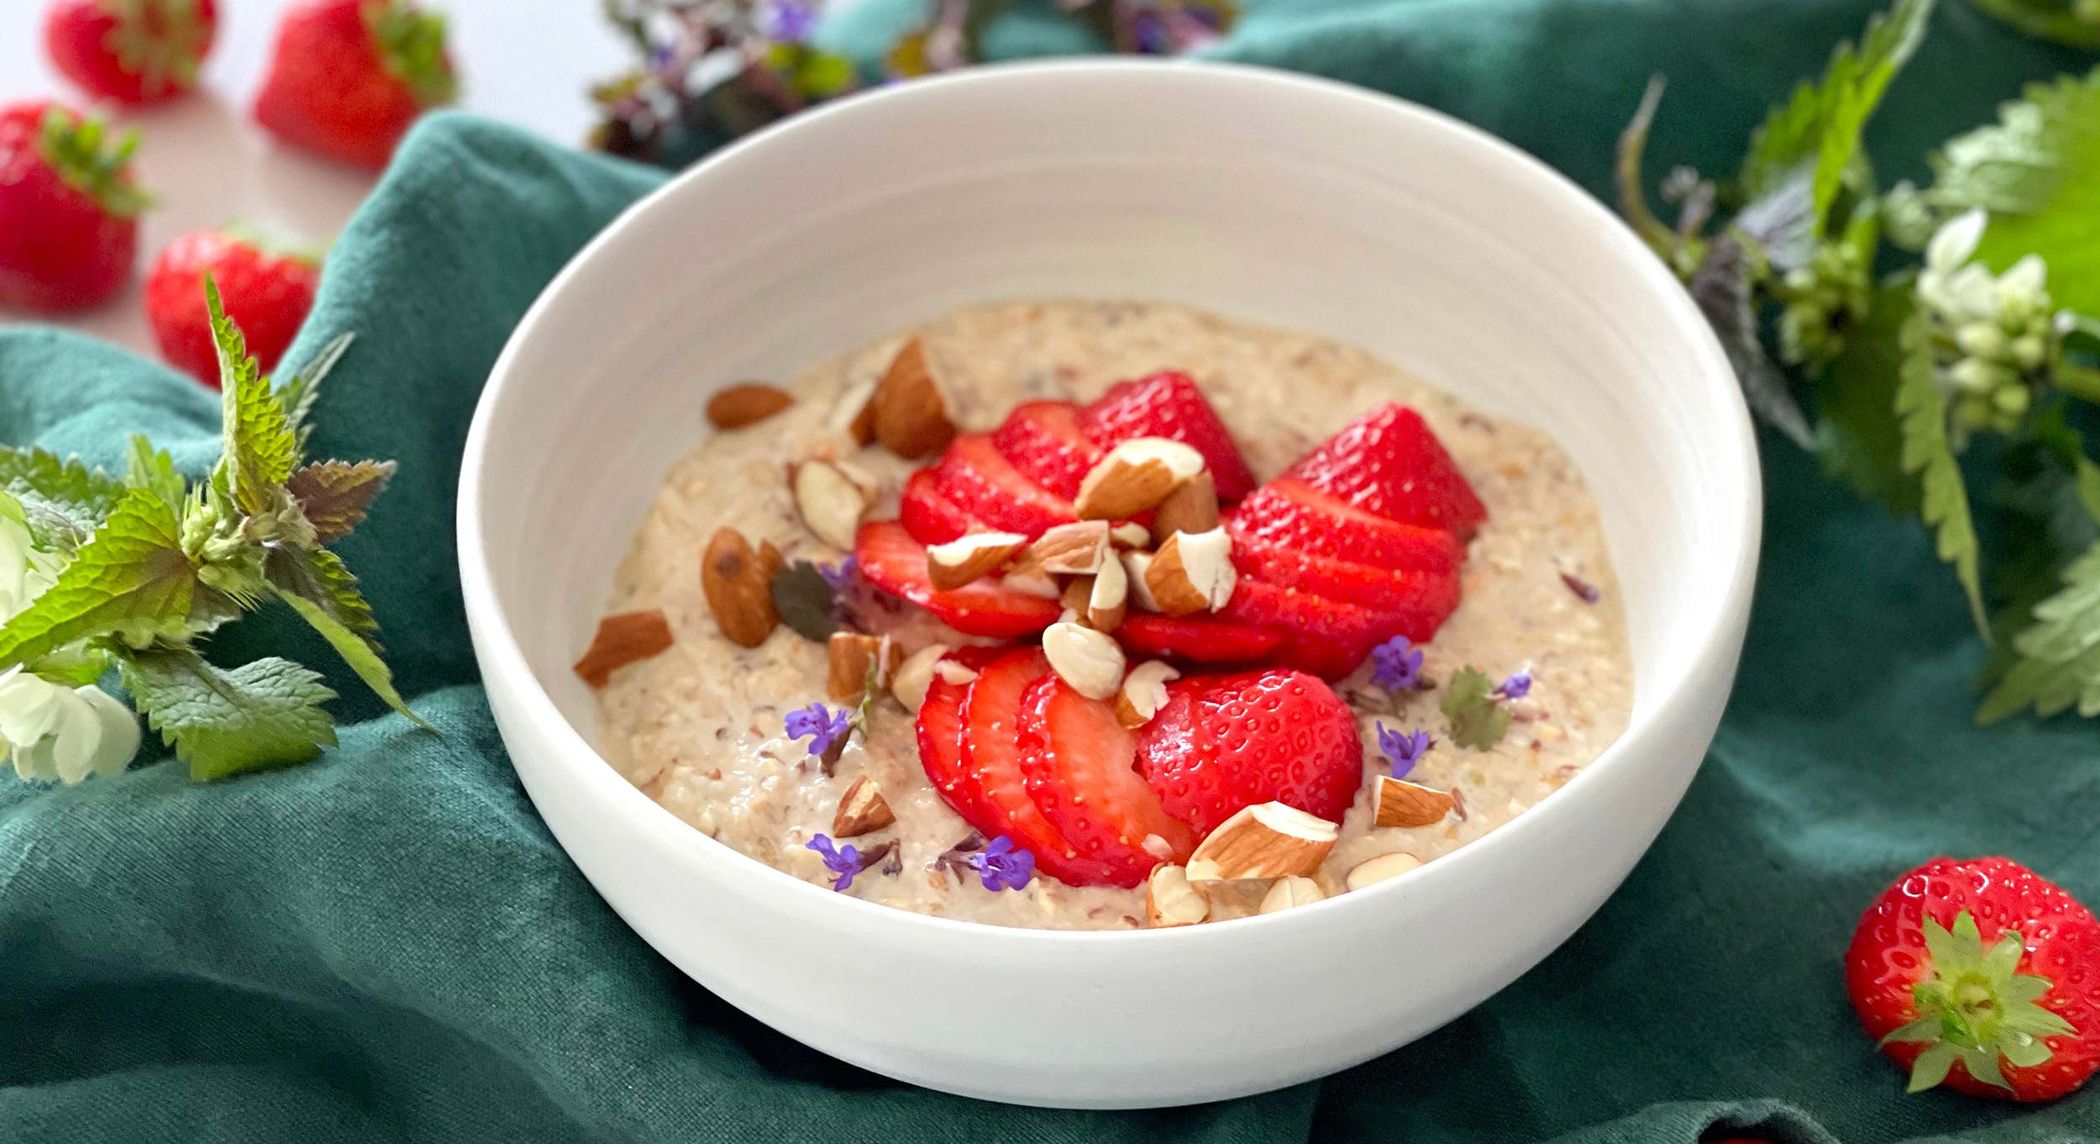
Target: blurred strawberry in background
267,291
133,51
68,208
348,77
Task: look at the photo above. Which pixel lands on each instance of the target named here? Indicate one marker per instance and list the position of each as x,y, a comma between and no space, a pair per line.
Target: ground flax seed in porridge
699,727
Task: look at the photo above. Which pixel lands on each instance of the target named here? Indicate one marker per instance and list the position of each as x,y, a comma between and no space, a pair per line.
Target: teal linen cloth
387,945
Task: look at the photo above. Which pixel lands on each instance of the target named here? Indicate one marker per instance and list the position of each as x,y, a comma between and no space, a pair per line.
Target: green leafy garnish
62,499
222,722
335,495
261,447
1927,453
1976,1007
153,470
805,601
130,582
298,391
1857,436
1477,720
2059,656
325,595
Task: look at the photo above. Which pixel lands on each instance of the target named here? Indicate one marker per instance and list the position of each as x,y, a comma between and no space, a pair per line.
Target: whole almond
850,655
910,415
738,585
625,638
746,403
1193,507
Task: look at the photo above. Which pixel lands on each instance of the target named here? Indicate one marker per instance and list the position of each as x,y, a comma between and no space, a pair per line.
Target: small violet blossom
1516,686
826,727
789,21
1001,866
845,861
841,575
1402,748
1396,664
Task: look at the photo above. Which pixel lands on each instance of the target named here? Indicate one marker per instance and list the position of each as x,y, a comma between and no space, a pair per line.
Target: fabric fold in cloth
387,944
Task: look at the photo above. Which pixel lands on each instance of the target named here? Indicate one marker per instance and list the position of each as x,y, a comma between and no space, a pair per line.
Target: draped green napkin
388,945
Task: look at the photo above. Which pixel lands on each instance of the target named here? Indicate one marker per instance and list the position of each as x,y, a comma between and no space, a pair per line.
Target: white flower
1993,329
24,571
52,731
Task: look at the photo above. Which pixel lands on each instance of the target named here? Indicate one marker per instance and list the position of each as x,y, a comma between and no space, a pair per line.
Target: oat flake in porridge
702,726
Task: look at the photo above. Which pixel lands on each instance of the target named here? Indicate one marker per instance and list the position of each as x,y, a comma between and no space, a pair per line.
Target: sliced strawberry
892,561
1044,441
929,515
1388,462
1223,742
1291,514
940,728
1413,604
1195,639
987,486
992,765
1326,637
1168,404
1077,760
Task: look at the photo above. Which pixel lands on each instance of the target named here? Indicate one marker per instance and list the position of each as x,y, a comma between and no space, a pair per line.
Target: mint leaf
130,579
223,722
2037,171
1477,721
324,593
260,447
1814,139
298,392
335,495
153,470
62,499
1944,501
1721,287
1858,436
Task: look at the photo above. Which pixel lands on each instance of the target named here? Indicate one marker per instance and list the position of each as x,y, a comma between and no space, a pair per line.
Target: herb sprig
146,564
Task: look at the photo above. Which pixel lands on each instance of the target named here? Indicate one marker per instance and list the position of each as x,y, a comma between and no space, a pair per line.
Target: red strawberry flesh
891,560
1169,404
986,485
928,514
1388,462
1077,760
992,764
1044,442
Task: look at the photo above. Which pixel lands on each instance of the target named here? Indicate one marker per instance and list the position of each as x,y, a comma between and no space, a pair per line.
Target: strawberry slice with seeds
1077,763
928,514
1414,604
1168,404
1388,462
1195,639
892,561
1180,765
1044,441
1324,636
1290,514
998,791
986,485
940,730
1223,742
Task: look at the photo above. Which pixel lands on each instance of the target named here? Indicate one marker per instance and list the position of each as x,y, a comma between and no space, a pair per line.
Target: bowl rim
501,659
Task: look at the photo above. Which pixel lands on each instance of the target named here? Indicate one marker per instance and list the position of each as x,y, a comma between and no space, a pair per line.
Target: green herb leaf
1633,192
1721,287
223,722
2059,654
324,593
804,600
2056,20
298,392
1815,137
62,499
1858,436
153,470
1944,500
1477,721
130,580
335,495
2037,171
260,446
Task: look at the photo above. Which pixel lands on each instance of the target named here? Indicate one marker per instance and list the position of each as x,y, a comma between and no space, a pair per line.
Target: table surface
525,61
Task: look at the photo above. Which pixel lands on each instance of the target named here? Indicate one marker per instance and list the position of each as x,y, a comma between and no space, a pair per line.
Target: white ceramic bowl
1258,194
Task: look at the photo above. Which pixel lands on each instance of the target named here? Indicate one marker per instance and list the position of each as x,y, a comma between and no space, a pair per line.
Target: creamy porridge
699,726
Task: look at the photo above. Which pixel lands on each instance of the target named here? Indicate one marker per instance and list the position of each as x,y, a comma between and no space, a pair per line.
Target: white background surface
526,61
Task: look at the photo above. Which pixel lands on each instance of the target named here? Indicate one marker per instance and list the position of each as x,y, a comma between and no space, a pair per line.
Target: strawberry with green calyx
268,290
348,77
1983,976
132,51
69,208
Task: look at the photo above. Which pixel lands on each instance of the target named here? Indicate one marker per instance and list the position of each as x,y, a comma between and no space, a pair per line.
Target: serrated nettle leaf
1721,287
63,500
335,495
299,390
2059,20
224,722
1783,223
1927,453
321,577
2058,662
260,447
1858,436
154,470
130,580
1815,136
335,609
2038,172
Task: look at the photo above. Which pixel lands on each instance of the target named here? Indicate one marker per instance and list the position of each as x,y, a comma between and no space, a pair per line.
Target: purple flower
789,21
1002,867
825,726
1396,664
1516,686
1402,748
845,861
841,575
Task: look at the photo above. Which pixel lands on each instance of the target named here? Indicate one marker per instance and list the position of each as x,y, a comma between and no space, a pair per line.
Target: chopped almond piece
628,637
1269,840
862,810
1171,901
1076,549
1107,597
831,498
1135,475
1084,658
1191,508
1288,893
1382,867
1143,693
970,558
910,415
747,403
1192,572
910,679
1406,804
851,655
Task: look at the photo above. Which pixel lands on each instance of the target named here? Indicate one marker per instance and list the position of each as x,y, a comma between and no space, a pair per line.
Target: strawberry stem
1976,1008
159,41
412,46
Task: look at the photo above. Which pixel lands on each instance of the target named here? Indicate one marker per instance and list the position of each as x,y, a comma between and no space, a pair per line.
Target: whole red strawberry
133,51
1222,742
348,77
1983,975
68,208
267,293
